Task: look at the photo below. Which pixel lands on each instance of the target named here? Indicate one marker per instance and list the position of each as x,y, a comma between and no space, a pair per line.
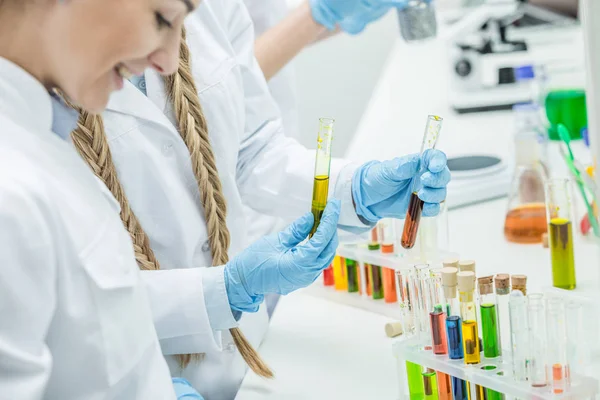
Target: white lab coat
256,163
265,14
74,318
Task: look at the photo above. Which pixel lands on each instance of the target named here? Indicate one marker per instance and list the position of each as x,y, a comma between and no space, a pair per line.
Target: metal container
417,20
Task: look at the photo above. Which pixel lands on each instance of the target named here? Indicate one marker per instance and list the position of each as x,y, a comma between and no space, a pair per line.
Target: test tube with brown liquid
415,206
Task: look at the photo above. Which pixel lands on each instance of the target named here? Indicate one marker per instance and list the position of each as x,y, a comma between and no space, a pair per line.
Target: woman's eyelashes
162,22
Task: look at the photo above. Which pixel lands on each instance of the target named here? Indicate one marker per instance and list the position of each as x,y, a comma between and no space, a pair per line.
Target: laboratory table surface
323,350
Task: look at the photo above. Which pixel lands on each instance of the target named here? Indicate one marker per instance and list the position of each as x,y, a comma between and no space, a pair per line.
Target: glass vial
537,340
560,217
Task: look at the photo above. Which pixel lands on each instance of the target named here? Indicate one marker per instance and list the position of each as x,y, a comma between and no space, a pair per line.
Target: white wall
337,76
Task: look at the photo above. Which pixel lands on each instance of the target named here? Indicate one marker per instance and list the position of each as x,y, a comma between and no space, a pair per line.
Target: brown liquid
526,224
411,224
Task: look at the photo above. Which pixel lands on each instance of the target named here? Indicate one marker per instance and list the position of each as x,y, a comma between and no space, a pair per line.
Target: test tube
489,325
519,282
537,340
353,275
502,283
328,276
413,371
376,282
519,334
420,300
415,207
577,350
340,278
387,235
460,389
557,367
387,247
468,313
560,233
430,385
437,319
406,309
453,320
322,166
489,317
437,312
372,246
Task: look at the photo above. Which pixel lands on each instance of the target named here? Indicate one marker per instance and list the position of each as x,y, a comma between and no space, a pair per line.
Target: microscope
493,40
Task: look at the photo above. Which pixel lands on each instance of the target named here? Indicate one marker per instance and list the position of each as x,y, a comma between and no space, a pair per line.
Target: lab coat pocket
122,306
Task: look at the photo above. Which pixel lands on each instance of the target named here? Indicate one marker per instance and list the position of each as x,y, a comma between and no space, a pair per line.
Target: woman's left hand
383,189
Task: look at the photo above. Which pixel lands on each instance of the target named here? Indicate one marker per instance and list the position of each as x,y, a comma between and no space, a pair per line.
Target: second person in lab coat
181,198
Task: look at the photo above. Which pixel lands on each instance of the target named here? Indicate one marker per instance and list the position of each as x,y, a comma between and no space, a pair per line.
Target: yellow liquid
340,277
319,200
560,238
471,342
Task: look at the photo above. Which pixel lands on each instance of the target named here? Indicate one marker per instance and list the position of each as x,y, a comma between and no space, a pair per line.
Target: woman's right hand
281,263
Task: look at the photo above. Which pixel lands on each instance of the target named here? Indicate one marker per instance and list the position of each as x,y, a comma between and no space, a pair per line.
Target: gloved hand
357,13
185,391
281,263
383,189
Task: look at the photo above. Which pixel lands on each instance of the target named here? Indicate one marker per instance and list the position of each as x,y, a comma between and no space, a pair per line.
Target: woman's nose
166,59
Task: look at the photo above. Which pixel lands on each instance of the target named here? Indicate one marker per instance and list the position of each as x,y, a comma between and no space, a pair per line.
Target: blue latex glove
383,189
330,13
357,22
185,391
282,262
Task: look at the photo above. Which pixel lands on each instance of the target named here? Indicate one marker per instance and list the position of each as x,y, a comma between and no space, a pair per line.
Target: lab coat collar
131,101
23,98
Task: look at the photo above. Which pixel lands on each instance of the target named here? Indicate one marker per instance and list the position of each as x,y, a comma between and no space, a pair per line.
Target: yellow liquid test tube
468,312
322,165
340,278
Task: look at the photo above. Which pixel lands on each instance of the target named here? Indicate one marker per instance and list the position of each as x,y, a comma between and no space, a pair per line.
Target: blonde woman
181,154
75,322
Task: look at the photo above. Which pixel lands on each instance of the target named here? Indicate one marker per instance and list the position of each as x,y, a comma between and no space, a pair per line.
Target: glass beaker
560,237
525,220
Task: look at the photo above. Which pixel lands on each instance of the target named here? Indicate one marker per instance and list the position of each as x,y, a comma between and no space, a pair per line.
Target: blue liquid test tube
460,388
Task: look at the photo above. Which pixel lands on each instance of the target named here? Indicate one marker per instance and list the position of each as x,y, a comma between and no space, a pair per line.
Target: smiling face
91,46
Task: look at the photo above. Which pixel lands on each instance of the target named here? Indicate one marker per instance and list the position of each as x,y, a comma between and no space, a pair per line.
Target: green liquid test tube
322,167
353,275
430,385
377,282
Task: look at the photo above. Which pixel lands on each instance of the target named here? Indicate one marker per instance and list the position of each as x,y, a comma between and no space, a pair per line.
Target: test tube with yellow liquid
468,313
560,233
415,206
322,166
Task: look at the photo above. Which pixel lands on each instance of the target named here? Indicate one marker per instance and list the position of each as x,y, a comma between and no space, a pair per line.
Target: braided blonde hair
91,143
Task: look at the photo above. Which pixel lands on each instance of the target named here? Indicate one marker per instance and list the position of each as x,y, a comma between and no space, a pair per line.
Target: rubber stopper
393,329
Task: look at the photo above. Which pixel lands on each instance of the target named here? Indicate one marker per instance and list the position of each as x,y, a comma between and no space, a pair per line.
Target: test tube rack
496,373
360,253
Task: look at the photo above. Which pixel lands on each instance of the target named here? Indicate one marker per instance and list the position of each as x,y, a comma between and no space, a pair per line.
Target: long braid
194,131
90,141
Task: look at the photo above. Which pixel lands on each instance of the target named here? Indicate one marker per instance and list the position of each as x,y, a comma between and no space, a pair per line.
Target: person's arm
190,308
280,44
312,21
27,297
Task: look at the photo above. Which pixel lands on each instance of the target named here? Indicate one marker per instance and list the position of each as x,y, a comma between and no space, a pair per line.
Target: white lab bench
323,350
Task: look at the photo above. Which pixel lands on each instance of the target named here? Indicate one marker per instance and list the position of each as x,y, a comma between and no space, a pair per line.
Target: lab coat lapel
131,101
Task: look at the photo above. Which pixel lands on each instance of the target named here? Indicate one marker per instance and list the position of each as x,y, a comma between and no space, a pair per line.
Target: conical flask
526,219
